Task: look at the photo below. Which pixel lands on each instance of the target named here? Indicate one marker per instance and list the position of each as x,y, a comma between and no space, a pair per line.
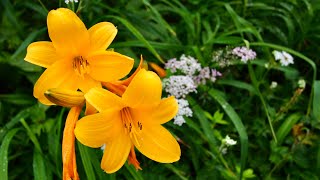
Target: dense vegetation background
240,104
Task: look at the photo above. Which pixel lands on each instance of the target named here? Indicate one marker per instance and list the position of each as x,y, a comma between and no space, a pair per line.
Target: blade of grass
238,125
316,100
4,153
32,136
139,36
176,171
85,157
135,174
21,115
39,169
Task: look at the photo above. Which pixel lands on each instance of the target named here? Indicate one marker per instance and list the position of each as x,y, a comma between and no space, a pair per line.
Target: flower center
132,127
80,65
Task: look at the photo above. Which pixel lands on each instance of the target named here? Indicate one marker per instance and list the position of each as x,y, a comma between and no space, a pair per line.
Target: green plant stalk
43,6
256,86
308,60
32,136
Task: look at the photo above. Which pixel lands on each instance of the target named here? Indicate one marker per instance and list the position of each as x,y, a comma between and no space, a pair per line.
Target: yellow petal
165,111
68,33
64,97
103,100
116,153
41,53
101,35
144,90
59,75
109,66
85,84
95,130
160,114
158,144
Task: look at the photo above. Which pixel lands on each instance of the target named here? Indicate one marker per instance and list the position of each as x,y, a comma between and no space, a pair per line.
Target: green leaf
138,35
85,157
286,126
136,175
31,135
316,100
237,123
204,122
4,154
21,115
39,169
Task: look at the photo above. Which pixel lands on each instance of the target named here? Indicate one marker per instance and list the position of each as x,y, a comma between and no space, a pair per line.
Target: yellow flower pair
77,59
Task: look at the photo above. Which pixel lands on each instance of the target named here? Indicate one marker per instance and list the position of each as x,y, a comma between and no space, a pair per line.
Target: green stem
308,60
256,85
43,6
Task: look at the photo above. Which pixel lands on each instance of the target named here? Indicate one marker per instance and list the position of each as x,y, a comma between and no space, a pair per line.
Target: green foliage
276,129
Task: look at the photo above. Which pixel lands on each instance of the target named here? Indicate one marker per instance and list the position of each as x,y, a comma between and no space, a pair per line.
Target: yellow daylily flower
136,119
76,58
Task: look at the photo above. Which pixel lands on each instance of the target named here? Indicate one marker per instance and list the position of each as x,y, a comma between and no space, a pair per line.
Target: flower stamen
80,65
129,125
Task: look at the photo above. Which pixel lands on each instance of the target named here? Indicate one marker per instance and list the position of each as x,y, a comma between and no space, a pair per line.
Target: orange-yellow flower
76,58
133,119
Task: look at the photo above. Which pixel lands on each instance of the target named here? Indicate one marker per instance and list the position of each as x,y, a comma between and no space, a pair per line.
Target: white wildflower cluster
190,74
184,110
67,1
179,86
223,57
206,74
244,53
284,57
187,65
225,143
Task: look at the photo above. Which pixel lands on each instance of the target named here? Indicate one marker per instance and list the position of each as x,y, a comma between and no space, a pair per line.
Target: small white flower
302,83
273,85
67,1
229,142
284,57
186,64
179,120
184,110
179,86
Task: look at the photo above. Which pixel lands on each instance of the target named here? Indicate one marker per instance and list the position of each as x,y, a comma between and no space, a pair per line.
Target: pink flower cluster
244,53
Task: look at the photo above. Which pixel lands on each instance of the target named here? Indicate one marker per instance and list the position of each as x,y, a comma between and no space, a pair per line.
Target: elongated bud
159,70
65,97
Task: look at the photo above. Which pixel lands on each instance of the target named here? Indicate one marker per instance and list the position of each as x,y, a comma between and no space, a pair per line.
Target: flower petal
144,90
41,53
59,75
158,144
160,114
68,33
116,153
85,84
101,35
103,100
95,130
165,111
109,66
